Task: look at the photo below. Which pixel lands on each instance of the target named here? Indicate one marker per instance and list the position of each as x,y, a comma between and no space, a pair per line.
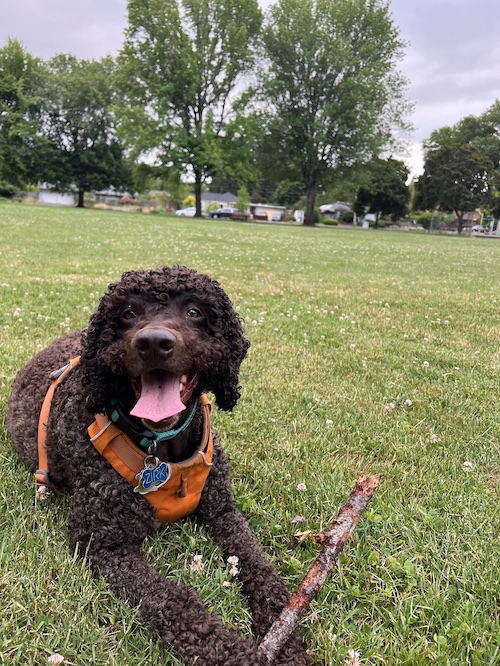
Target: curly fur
109,522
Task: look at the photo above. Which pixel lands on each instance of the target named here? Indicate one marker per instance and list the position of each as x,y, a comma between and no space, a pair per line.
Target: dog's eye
128,314
194,313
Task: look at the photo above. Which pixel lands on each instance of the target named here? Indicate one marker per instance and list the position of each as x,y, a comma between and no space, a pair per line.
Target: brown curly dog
128,435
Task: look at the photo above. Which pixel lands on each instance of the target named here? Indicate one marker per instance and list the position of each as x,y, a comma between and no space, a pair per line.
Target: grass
371,352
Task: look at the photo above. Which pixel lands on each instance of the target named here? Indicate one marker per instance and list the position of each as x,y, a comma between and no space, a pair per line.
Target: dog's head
158,339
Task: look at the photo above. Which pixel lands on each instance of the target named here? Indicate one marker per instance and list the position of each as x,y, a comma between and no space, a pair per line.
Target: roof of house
227,197
334,207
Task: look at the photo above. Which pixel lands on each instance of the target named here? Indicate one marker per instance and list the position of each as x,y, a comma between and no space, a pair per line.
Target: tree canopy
83,149
332,83
384,190
180,64
456,178
20,99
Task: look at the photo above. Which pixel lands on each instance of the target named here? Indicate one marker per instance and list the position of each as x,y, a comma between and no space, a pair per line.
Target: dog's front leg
267,593
108,528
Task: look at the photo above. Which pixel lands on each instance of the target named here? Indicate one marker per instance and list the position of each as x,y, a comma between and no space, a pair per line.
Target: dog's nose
153,343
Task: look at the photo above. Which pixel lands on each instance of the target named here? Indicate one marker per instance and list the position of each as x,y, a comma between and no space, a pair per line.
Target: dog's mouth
161,396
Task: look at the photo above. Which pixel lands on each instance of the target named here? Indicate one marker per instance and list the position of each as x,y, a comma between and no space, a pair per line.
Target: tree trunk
197,191
460,221
310,202
80,199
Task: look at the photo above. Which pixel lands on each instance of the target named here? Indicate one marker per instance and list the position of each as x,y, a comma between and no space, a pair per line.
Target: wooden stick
333,542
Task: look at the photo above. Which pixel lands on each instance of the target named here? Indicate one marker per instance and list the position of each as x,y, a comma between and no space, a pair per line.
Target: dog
117,415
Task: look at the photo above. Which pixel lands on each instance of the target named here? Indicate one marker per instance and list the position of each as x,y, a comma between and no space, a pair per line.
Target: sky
451,59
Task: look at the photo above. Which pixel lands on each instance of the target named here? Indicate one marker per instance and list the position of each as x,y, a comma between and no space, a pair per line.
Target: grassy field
372,351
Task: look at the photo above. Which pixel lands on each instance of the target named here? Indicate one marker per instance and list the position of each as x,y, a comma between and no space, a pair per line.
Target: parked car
277,217
186,212
478,228
223,212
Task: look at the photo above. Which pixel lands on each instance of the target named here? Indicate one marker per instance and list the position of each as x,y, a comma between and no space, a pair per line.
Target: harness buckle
42,480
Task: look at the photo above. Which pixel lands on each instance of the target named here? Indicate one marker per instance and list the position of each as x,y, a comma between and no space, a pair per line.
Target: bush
424,219
348,216
7,189
188,201
330,222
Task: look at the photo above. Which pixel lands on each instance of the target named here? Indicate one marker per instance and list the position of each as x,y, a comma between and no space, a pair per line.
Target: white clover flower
55,659
468,466
353,658
408,403
298,519
389,406
301,487
197,564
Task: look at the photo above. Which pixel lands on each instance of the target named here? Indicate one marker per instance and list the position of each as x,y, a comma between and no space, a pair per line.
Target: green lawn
372,351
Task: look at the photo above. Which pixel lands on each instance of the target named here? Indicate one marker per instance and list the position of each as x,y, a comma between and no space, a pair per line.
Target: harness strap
42,478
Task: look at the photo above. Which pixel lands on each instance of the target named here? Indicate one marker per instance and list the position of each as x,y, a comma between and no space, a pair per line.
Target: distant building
226,200
334,211
48,195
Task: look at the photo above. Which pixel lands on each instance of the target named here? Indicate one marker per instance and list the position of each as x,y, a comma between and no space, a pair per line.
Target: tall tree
456,178
332,83
20,98
483,133
181,62
384,191
78,122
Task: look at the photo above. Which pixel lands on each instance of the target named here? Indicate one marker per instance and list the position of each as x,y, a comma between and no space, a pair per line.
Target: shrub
188,201
317,216
424,219
7,189
348,216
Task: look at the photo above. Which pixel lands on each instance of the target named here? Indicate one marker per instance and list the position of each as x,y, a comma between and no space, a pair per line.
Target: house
267,212
112,197
226,200
47,195
334,211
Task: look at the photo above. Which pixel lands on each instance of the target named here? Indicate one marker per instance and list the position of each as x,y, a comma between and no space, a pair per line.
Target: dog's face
160,338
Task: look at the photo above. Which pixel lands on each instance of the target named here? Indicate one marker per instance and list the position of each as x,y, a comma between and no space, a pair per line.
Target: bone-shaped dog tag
154,475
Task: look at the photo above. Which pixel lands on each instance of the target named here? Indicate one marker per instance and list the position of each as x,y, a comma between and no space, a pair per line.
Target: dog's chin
162,426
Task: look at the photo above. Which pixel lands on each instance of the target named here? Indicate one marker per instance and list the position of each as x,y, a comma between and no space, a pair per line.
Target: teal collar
142,436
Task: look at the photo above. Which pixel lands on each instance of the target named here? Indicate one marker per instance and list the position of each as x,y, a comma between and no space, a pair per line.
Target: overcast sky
452,58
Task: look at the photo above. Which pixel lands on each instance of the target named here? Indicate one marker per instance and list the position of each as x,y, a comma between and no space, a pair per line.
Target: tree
482,132
243,200
384,191
78,123
332,84
20,98
456,178
180,64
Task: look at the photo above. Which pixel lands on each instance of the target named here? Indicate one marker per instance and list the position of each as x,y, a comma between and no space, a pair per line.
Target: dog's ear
99,374
224,383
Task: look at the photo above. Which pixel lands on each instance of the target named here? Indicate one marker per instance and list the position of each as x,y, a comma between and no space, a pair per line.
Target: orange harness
180,493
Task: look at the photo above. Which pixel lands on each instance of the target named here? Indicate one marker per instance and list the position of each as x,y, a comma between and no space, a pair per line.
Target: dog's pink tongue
160,397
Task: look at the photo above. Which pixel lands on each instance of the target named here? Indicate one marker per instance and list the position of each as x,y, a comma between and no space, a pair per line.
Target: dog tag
154,475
